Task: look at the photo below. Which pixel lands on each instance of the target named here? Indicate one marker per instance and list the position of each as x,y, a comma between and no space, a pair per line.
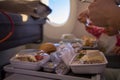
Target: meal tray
88,68
29,65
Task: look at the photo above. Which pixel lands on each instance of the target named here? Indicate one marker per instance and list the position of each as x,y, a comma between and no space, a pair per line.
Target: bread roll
47,47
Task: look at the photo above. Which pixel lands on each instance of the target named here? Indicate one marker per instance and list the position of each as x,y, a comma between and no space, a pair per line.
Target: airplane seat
22,32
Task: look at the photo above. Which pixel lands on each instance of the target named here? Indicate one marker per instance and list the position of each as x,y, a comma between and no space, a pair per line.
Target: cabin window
60,10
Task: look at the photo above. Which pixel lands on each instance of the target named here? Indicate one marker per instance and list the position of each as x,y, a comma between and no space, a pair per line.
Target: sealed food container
49,67
89,62
89,42
62,68
30,59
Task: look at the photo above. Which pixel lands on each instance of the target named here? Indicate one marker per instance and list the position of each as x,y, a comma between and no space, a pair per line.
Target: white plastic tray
88,68
29,65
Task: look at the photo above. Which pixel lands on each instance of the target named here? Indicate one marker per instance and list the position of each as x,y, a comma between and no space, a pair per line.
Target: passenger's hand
105,13
116,50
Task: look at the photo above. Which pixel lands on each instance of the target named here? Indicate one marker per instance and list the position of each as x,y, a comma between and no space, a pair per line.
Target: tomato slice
38,57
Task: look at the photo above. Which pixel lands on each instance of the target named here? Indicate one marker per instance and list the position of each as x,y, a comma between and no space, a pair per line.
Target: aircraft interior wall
79,28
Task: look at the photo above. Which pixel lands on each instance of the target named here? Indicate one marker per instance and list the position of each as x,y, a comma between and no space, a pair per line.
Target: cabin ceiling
34,8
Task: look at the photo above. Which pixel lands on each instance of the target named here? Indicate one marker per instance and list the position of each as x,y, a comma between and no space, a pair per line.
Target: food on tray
48,47
24,57
38,57
28,57
76,46
88,41
92,58
80,56
89,57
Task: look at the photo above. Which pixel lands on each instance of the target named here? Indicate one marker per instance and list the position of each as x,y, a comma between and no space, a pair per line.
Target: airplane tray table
50,76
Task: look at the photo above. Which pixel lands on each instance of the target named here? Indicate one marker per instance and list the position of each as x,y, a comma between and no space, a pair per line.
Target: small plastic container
49,67
62,68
